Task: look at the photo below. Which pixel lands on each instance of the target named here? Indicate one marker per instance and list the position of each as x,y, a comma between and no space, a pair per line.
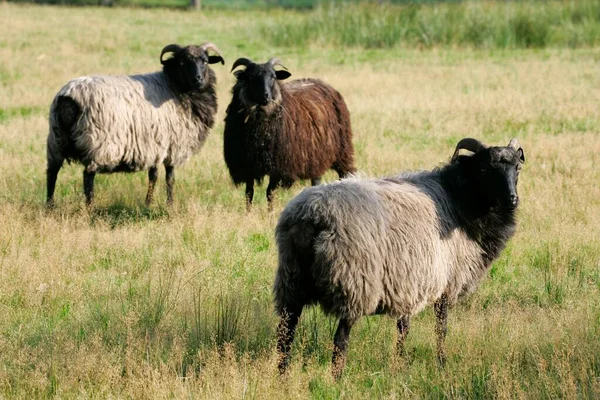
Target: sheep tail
64,115
344,164
293,281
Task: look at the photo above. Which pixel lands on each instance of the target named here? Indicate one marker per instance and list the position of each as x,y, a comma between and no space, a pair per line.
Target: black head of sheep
187,67
493,173
260,80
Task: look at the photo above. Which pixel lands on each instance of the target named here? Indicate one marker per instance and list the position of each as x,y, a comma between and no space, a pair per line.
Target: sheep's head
494,171
259,81
187,67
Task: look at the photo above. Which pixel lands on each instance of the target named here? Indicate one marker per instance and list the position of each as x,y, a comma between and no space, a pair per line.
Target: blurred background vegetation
236,4
407,23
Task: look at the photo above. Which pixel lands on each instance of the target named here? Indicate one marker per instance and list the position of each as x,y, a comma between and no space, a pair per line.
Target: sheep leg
285,336
152,178
403,324
315,182
273,183
170,172
441,327
88,186
342,172
340,347
51,175
249,193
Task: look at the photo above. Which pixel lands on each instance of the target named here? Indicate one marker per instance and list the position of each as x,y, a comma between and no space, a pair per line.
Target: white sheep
135,122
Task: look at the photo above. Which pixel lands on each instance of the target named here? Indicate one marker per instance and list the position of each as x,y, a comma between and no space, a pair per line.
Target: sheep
291,131
394,245
131,123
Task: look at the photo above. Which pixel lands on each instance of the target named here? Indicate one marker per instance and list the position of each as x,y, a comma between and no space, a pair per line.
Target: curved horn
241,61
470,144
172,48
276,61
211,46
514,144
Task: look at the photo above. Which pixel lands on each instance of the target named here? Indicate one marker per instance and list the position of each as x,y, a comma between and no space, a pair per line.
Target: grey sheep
135,122
393,246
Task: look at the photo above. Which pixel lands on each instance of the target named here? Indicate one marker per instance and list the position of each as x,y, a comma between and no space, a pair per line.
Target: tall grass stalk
485,24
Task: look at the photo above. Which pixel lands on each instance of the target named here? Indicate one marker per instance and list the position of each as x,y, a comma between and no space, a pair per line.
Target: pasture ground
129,301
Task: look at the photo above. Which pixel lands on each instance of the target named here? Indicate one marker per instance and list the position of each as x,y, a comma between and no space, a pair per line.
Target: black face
498,169
188,68
259,82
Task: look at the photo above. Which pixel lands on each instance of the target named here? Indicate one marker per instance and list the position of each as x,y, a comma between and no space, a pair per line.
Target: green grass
7,114
130,301
490,25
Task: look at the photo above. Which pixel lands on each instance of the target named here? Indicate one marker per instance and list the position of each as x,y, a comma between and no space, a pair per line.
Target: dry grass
154,303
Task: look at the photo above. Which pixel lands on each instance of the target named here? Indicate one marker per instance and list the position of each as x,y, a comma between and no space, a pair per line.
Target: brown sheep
291,131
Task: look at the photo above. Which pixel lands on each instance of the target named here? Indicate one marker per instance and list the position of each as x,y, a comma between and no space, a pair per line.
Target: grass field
126,301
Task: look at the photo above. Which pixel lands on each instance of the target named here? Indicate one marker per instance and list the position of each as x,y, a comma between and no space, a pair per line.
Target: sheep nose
514,200
199,78
266,97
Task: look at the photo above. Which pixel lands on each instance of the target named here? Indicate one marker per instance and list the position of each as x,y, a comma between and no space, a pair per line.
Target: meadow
125,301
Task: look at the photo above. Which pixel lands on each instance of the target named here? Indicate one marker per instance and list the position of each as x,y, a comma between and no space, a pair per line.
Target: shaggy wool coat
131,123
300,135
366,246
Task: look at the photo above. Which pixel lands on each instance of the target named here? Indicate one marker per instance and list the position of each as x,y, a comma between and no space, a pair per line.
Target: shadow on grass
119,214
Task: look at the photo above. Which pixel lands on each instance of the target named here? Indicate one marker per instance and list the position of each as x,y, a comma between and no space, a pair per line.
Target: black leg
88,186
152,177
441,327
403,324
170,172
285,336
341,172
51,175
340,346
315,182
273,183
249,193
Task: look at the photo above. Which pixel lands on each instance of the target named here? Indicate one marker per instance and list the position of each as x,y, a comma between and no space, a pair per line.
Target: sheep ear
216,59
240,74
213,47
281,75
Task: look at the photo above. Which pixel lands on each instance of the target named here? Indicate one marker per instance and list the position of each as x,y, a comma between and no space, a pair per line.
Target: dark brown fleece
300,135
